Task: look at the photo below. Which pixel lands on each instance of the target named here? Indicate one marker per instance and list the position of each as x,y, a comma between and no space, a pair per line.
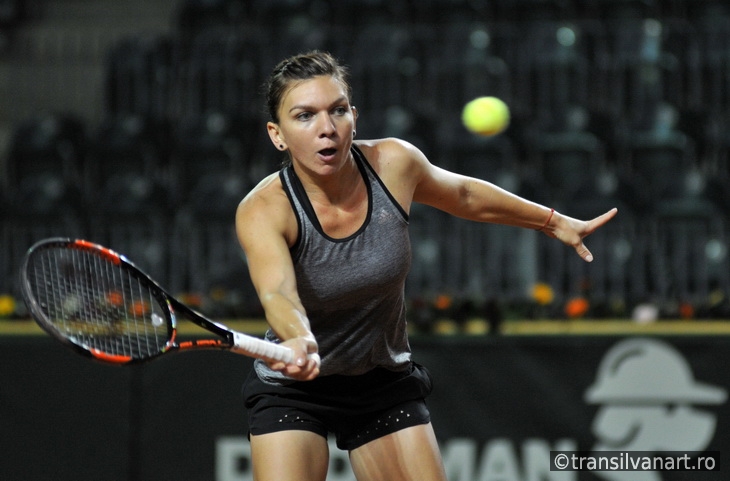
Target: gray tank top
352,288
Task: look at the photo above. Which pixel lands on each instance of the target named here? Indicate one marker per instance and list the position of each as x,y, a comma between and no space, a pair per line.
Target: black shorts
357,409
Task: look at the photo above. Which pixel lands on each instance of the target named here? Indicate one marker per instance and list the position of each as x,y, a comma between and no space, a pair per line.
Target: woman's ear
275,136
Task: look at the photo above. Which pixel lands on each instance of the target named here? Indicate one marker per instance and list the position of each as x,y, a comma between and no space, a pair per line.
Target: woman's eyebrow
311,107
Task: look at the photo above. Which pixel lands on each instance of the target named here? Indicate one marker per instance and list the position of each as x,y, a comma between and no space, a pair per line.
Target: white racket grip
253,346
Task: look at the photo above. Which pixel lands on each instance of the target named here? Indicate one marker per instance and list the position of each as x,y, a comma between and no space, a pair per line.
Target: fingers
573,232
314,357
304,372
594,224
306,362
602,219
584,253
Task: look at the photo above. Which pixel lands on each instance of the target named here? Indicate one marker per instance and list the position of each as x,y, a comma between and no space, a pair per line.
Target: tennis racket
99,303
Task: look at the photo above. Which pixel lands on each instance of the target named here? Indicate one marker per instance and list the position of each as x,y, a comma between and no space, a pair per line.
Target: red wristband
552,211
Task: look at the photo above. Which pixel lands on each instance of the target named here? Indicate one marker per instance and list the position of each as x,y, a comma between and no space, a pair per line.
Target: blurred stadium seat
222,71
40,206
195,16
492,258
208,262
279,13
714,38
50,144
435,254
718,145
391,66
619,10
559,64
517,10
213,143
132,215
359,13
139,76
689,250
125,144
658,158
12,12
567,156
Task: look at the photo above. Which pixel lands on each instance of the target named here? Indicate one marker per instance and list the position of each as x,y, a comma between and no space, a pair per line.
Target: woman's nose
327,126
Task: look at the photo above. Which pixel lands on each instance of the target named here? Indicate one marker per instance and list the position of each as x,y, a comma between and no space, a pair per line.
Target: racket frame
228,338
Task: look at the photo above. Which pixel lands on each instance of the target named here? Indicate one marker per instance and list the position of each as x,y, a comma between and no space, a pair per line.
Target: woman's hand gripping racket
100,304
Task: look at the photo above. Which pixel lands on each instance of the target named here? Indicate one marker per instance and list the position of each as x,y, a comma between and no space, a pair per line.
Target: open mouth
327,152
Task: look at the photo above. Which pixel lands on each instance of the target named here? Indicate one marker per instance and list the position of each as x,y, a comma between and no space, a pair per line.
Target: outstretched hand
571,231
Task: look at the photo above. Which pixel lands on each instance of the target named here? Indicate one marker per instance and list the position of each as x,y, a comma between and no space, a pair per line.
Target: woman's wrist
547,222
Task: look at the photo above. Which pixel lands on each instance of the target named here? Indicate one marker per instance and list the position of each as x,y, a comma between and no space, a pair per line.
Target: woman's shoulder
266,208
384,146
392,155
268,195
389,153
398,163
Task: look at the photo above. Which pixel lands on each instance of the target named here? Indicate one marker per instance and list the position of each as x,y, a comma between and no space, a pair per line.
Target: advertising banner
512,408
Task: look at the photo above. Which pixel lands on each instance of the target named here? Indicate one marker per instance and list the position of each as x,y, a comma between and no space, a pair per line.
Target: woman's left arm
481,201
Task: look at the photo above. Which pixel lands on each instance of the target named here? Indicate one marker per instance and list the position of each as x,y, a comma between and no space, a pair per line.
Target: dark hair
302,67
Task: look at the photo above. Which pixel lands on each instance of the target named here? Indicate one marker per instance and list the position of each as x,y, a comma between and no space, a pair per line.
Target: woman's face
316,124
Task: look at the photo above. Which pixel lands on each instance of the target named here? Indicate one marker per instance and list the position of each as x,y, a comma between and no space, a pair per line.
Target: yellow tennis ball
485,116
7,305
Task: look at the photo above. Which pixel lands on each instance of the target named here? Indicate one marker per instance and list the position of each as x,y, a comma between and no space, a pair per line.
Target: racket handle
253,346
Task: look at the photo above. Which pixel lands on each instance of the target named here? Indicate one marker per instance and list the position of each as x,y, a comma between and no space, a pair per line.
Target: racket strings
97,304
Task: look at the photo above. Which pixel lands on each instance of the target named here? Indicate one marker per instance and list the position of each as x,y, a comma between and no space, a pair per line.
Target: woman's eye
340,110
304,116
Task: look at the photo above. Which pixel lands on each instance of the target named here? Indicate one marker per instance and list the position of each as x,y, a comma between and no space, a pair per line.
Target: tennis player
326,239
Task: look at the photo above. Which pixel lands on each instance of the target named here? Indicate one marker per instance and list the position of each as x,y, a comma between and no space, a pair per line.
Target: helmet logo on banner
650,401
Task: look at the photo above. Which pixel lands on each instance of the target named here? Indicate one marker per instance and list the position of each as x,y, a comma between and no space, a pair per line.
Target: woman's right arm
265,225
